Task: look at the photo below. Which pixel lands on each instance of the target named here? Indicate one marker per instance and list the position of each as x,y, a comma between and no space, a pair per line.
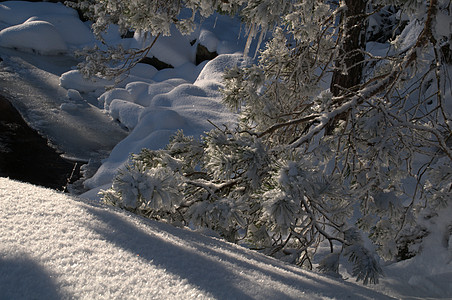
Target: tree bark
349,65
348,71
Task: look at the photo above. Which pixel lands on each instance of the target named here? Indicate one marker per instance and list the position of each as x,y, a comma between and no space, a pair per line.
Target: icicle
259,42
251,34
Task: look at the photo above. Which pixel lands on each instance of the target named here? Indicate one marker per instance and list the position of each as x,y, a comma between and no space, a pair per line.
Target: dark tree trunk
349,65
348,71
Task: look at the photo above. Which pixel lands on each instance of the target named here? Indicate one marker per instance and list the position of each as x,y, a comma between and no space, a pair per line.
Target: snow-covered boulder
125,112
75,80
118,93
72,29
174,50
213,71
35,36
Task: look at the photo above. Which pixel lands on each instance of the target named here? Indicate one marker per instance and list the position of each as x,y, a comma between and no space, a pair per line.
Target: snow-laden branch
288,123
325,119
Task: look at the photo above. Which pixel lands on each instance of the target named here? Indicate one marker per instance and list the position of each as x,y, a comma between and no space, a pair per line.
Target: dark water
26,156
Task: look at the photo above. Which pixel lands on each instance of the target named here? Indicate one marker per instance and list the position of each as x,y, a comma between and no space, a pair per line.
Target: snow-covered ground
56,246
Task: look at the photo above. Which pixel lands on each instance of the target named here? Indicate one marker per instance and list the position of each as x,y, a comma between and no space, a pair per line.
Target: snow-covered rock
72,30
74,80
125,112
34,36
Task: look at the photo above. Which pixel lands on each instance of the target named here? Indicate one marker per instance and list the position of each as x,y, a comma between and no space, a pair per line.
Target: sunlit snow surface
54,246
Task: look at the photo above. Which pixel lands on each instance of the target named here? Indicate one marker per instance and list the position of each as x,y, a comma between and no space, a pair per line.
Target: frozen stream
75,127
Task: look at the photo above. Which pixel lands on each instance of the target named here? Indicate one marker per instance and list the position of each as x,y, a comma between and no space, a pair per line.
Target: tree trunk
349,65
348,70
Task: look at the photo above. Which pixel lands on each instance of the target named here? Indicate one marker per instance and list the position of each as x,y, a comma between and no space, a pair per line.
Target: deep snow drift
55,246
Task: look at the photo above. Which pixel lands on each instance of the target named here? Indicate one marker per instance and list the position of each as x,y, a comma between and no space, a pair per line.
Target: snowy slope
54,246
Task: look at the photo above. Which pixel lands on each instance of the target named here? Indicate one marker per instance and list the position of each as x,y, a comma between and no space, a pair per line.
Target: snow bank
74,80
154,111
71,29
54,246
33,36
17,12
41,27
174,50
125,112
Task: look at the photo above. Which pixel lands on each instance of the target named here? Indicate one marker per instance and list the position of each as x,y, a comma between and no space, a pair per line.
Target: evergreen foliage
317,156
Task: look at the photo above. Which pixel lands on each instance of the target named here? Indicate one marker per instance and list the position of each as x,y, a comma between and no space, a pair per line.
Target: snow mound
74,80
214,69
54,246
125,112
19,20
34,36
154,111
17,12
208,40
72,30
174,50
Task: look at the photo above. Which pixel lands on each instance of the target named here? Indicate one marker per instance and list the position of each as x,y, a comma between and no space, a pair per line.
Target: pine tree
329,132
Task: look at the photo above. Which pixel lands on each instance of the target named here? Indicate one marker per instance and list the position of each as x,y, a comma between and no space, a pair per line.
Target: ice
72,125
443,24
74,95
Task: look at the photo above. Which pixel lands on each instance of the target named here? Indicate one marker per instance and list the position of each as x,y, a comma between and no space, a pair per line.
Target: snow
169,49
23,36
74,125
16,12
72,30
74,80
82,249
41,27
55,246
155,110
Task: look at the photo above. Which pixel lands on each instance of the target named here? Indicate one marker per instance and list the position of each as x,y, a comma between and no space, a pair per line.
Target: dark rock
202,54
155,62
128,34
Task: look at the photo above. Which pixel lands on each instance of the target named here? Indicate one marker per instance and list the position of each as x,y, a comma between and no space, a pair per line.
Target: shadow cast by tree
213,266
22,278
